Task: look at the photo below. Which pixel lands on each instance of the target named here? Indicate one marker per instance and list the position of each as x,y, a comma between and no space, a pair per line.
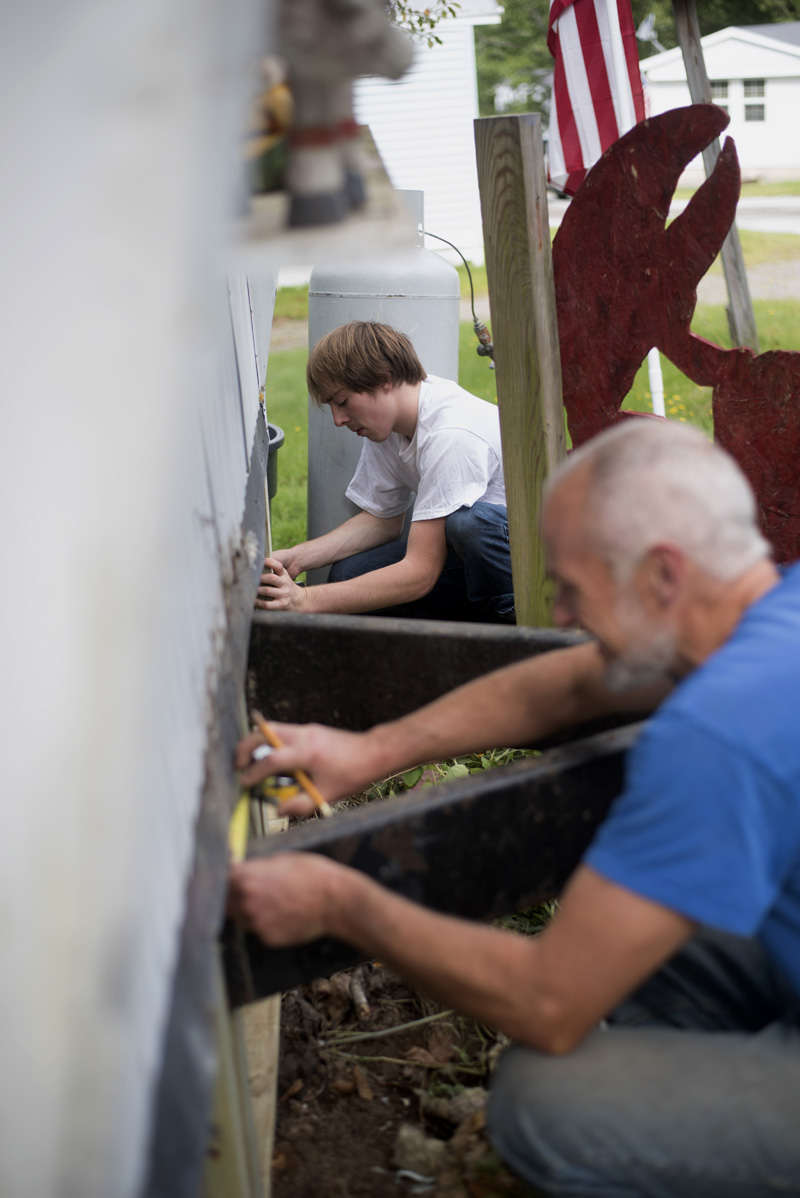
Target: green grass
291,303
287,406
778,328
764,249
759,249
780,187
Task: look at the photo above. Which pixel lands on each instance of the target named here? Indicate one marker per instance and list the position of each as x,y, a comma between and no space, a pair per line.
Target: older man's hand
338,762
286,899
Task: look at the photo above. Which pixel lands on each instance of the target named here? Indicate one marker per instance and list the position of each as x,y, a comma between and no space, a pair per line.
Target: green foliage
515,53
420,22
719,14
435,772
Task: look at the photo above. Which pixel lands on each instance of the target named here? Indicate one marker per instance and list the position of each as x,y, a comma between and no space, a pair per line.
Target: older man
657,1018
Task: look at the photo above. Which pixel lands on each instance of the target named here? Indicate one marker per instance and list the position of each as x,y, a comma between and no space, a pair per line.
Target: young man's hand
278,592
289,559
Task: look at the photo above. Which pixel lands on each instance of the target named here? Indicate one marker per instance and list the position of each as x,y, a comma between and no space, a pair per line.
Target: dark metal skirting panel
356,671
491,844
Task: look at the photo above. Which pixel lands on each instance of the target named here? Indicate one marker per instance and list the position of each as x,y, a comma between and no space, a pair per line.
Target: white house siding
768,148
423,128
122,472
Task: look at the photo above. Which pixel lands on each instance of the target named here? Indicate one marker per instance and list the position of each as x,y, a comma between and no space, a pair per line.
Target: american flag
593,104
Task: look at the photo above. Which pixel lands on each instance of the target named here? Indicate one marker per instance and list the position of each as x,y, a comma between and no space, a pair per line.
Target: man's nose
340,417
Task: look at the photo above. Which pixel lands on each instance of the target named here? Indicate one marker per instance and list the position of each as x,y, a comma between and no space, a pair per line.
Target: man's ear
664,571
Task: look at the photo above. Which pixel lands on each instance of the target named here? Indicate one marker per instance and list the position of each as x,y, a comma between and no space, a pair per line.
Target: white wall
423,129
122,470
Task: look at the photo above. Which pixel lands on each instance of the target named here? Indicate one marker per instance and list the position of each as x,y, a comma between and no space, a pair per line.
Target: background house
755,76
422,126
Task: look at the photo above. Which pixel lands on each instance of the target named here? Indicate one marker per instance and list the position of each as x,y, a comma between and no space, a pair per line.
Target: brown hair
361,356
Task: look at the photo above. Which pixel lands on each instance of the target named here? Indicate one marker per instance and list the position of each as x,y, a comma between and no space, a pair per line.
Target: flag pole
626,119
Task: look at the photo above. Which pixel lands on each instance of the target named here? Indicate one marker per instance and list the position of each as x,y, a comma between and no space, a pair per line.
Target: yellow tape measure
239,827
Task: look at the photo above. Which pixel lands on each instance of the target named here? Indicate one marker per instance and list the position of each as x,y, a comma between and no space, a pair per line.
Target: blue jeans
691,1090
475,583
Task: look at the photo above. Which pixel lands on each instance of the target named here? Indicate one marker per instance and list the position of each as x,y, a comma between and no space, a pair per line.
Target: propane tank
414,291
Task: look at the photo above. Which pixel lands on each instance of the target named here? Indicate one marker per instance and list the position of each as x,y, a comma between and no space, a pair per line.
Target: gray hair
653,481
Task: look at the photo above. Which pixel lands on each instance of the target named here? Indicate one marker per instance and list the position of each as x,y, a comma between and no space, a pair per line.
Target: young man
422,435
658,1015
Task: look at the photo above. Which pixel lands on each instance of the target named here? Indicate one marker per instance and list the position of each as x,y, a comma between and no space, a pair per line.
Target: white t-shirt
453,460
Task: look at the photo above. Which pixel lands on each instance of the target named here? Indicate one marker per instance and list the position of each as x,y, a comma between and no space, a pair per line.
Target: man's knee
343,570
545,1115
520,1109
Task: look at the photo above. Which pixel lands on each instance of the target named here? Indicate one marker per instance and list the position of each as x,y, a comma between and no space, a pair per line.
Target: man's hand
338,762
283,900
277,591
290,560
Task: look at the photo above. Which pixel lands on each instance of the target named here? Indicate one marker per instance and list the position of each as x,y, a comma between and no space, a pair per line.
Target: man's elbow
554,1031
422,583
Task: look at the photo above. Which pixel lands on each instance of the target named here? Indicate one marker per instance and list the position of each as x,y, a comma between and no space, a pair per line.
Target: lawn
287,402
753,187
759,249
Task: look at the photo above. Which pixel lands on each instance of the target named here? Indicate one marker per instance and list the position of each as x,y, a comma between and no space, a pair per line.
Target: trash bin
275,442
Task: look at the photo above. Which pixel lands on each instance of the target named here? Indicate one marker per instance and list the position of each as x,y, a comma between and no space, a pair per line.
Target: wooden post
516,235
741,318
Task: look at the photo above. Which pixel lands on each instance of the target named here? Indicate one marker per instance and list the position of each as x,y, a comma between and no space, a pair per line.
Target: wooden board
516,234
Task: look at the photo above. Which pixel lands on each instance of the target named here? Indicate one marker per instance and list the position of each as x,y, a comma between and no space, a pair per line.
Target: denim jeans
475,583
690,1090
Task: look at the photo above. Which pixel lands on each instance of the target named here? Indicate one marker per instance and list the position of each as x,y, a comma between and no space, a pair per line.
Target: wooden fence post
741,318
516,235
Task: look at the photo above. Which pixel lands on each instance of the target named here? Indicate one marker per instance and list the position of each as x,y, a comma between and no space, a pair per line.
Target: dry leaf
440,1044
421,1056
458,1107
461,1137
343,1085
362,1085
295,1088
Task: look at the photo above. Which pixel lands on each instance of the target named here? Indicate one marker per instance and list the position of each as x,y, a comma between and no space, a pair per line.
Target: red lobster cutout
625,283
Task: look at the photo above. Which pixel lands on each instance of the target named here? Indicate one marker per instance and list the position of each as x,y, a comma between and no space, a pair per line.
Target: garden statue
635,287
327,44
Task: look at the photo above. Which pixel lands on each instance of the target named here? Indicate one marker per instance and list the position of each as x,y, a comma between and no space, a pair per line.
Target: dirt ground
369,1107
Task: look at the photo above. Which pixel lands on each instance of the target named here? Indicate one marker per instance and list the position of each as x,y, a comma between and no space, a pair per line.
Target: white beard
648,659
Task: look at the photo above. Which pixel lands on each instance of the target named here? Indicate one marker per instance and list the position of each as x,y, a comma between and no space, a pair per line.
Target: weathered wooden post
516,234
741,318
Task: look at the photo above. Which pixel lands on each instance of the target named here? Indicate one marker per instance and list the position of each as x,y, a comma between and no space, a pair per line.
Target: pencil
272,738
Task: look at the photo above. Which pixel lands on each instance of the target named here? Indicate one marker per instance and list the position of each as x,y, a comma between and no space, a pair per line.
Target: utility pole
741,319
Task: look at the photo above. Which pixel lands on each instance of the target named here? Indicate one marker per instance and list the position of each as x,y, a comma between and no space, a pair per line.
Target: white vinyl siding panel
423,128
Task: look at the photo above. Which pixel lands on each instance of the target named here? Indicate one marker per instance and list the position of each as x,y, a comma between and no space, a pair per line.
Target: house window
754,112
754,89
719,89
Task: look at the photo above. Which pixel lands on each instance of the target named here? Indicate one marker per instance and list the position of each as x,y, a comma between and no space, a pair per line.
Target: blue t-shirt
708,823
